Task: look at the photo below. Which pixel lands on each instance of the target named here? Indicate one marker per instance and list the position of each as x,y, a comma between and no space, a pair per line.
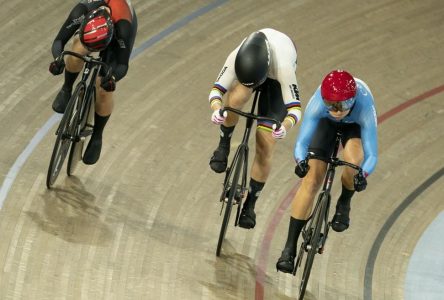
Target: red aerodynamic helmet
96,30
337,86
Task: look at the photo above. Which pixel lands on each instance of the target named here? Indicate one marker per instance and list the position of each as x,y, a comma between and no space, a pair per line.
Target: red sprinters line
285,203
409,103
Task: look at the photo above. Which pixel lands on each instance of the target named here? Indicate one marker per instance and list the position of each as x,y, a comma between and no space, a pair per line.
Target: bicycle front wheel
238,162
65,134
86,111
312,244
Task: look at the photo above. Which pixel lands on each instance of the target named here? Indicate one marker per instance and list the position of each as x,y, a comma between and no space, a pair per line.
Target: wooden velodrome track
143,222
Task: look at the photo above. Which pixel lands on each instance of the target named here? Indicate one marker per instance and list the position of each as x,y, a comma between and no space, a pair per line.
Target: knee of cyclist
263,156
354,159
312,183
73,64
347,175
103,95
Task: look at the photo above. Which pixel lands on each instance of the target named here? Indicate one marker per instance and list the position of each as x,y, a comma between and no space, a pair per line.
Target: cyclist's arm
312,114
68,29
286,75
223,82
290,94
124,34
369,139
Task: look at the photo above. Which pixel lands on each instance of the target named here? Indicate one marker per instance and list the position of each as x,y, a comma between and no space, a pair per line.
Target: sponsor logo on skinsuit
221,73
121,43
76,22
294,91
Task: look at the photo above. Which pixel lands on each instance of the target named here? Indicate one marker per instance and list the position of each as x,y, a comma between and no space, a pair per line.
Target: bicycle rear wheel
238,162
65,133
312,244
82,133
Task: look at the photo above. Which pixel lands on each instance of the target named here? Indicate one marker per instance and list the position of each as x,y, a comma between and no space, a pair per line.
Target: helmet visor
339,105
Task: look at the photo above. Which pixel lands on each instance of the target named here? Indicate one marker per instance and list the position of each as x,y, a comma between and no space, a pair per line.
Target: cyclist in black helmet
104,26
265,60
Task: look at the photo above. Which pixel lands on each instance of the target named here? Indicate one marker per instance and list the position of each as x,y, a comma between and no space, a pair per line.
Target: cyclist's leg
236,98
322,145
270,105
354,154
73,67
103,109
303,200
260,170
75,64
300,211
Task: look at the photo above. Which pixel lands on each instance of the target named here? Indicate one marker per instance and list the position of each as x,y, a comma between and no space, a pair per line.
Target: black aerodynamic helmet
252,60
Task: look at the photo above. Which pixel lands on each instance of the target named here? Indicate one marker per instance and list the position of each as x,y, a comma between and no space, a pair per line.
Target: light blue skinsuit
362,113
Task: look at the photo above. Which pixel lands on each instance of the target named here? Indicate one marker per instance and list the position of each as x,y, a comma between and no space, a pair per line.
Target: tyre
84,130
312,247
65,135
238,162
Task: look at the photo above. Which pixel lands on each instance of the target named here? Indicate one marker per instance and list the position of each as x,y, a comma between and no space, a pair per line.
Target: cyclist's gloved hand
360,182
108,83
57,66
302,168
217,118
279,133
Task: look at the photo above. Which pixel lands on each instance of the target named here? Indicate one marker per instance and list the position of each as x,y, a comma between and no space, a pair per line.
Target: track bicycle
315,232
76,124
233,192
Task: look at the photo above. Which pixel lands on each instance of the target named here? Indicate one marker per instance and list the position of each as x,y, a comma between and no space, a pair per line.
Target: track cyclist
343,103
265,60
105,26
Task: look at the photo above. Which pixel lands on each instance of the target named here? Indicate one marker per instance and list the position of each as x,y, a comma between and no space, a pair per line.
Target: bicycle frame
71,127
89,75
90,90
244,149
238,169
315,236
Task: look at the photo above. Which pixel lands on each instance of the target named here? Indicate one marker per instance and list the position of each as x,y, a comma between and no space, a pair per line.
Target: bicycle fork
240,188
327,224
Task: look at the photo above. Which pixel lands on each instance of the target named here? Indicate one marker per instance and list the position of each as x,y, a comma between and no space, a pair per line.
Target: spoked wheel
311,244
238,162
65,136
82,136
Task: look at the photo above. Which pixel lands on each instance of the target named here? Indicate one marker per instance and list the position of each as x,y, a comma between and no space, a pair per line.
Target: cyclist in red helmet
105,26
343,103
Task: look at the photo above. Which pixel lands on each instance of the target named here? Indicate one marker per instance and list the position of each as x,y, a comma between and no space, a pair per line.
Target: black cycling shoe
61,101
285,263
247,218
219,160
92,152
341,220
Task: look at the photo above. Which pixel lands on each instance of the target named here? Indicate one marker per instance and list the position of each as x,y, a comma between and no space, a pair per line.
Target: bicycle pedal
86,132
238,195
235,202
